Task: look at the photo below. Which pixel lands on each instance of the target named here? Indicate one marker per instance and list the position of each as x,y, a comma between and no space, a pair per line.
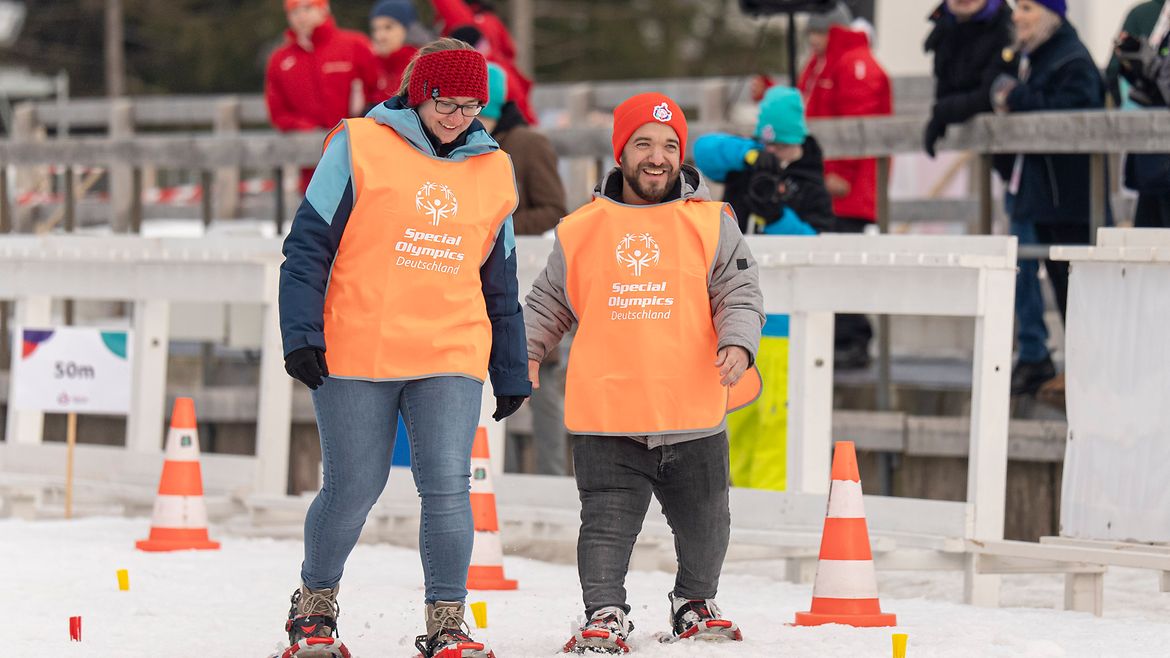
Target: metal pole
280,201
792,49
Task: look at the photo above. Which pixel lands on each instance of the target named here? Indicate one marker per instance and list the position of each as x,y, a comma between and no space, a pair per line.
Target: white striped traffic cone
487,554
180,517
845,590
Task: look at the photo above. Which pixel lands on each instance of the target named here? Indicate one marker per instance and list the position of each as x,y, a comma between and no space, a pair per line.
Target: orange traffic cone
180,517
845,590
487,555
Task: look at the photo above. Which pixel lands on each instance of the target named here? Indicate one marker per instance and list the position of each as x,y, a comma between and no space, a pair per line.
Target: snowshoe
312,625
448,635
605,632
698,620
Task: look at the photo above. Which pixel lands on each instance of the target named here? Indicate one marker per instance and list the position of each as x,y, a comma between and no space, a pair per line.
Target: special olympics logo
663,113
637,251
436,201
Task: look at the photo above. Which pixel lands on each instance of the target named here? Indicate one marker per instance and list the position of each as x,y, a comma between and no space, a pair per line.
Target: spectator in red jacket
843,79
475,22
310,80
390,20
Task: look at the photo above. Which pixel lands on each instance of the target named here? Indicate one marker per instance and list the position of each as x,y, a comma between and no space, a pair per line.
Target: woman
967,40
1051,192
399,267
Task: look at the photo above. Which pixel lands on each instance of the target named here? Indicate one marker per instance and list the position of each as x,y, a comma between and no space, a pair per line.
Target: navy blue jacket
320,221
1055,188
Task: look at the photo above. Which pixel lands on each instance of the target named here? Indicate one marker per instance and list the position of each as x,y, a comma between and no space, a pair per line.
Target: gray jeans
616,477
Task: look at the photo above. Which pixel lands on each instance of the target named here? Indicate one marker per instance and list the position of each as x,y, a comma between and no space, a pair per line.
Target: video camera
770,7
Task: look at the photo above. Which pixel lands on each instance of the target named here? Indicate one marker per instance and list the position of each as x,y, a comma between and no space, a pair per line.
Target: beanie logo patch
768,134
663,113
436,201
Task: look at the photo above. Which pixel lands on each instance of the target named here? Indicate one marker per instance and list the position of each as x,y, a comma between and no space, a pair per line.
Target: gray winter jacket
737,304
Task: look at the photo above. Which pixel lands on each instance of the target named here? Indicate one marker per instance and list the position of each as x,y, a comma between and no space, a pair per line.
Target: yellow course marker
479,611
123,580
900,645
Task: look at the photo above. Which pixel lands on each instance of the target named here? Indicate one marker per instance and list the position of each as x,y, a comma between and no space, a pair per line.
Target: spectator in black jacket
967,41
1051,191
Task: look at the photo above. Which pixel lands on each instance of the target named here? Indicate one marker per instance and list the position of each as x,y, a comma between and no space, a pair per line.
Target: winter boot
312,625
699,620
448,635
605,632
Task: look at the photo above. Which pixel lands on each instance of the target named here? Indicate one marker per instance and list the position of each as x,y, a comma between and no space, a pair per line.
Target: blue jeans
357,421
1031,332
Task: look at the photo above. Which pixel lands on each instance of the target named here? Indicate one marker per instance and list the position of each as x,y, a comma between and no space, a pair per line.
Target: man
842,78
666,299
309,84
390,20
541,206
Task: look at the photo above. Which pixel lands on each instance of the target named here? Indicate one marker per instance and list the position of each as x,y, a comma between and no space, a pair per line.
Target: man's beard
650,195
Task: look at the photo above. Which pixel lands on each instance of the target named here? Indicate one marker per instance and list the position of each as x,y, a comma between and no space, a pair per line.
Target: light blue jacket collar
406,122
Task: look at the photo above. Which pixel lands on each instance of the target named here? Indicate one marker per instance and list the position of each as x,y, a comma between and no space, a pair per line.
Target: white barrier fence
809,278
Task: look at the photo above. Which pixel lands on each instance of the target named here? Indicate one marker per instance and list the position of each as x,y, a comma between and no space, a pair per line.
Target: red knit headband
448,73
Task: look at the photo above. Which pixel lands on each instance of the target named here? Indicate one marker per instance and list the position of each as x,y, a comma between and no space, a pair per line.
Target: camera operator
775,183
1139,77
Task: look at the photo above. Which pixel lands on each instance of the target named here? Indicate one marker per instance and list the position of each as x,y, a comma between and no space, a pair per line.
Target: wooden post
582,171
884,395
227,179
24,129
983,173
206,187
70,448
713,102
115,50
1098,195
523,18
122,193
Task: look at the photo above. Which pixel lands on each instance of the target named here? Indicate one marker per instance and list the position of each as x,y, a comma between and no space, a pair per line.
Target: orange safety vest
405,299
643,360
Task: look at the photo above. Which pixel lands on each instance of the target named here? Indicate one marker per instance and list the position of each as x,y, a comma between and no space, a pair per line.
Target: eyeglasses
447,107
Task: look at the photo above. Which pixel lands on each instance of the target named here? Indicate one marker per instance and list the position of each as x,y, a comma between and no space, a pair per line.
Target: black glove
307,365
506,405
935,130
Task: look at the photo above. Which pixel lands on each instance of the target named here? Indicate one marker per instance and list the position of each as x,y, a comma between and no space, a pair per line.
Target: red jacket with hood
502,51
848,81
309,90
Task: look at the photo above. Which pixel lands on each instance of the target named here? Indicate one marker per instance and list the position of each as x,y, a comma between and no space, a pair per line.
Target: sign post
71,370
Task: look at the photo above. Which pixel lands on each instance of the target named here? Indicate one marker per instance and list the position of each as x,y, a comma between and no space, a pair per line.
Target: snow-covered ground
232,603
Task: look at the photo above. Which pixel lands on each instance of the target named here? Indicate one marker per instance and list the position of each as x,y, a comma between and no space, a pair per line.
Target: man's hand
534,373
837,186
307,365
506,405
732,362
